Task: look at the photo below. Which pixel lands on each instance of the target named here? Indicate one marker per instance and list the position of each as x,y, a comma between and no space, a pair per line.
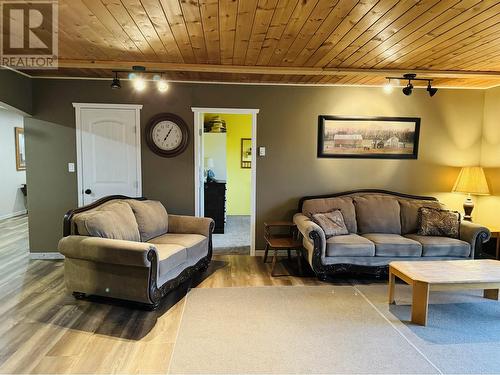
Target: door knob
88,191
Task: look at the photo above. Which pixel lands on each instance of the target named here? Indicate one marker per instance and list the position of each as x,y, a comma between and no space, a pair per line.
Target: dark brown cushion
438,223
377,214
409,213
332,223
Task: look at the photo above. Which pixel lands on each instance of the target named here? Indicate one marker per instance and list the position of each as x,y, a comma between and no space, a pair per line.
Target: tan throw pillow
332,223
440,223
151,217
115,221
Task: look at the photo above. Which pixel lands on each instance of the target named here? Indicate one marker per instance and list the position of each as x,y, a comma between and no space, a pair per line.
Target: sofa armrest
105,250
190,225
474,234
309,230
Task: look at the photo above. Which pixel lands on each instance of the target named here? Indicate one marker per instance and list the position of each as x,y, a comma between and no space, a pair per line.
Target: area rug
290,330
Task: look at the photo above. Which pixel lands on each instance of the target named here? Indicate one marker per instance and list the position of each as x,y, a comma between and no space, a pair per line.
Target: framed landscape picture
368,137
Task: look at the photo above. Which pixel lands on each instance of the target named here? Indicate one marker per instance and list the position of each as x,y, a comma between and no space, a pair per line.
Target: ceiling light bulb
139,84
132,76
388,88
162,85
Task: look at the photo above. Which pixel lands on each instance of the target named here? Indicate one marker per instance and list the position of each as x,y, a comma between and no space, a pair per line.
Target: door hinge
201,133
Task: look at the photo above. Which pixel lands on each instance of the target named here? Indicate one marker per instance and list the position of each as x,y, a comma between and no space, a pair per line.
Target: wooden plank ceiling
288,41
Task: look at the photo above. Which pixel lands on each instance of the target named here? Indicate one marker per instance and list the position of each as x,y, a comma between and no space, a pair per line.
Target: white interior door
109,161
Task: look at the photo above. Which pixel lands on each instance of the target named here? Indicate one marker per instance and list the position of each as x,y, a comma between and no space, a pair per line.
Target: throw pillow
440,223
332,223
151,216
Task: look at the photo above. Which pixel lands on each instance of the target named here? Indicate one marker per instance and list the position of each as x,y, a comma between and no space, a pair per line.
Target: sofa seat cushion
377,214
394,245
196,244
151,216
349,245
322,205
115,221
441,246
170,256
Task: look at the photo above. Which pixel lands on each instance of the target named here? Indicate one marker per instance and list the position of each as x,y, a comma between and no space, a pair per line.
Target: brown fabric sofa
131,249
382,227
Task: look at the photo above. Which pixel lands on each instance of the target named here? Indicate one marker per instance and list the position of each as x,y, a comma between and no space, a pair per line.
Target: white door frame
198,160
79,157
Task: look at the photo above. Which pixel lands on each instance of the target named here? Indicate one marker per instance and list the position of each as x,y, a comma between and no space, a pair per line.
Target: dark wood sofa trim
156,294
369,191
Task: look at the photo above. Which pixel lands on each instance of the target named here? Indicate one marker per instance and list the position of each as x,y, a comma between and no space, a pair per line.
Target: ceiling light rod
412,77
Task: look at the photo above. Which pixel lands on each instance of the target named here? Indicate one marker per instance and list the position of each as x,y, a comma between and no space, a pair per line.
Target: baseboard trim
13,214
46,256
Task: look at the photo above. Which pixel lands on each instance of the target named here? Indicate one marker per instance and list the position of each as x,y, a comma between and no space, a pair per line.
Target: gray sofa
132,250
382,227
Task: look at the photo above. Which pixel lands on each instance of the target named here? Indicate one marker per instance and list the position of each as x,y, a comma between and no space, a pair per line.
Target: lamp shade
471,180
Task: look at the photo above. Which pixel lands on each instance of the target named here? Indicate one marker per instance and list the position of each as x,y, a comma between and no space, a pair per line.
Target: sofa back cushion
115,220
377,214
151,216
409,213
322,205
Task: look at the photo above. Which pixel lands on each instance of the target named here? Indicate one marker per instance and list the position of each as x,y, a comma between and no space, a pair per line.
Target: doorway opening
225,169
13,188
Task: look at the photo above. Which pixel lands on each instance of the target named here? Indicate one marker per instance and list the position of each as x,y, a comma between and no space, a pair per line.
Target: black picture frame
364,154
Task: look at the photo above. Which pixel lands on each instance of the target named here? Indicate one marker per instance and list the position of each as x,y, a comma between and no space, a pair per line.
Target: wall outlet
71,167
262,151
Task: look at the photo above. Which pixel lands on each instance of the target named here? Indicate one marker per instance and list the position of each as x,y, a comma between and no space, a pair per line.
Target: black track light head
116,84
431,90
408,89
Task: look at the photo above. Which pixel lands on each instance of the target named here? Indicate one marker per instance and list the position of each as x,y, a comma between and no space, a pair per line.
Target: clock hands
170,131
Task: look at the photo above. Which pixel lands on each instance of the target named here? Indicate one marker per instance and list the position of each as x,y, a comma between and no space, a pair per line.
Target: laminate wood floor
43,329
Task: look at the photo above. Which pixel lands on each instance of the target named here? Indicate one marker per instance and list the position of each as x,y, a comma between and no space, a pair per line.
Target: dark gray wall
287,126
15,90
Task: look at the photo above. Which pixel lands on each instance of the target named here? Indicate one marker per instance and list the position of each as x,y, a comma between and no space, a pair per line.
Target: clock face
167,135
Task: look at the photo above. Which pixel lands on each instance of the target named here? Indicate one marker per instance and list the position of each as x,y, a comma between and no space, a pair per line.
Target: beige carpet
290,330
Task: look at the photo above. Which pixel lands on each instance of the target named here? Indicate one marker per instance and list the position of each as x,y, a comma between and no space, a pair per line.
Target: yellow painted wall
488,207
239,180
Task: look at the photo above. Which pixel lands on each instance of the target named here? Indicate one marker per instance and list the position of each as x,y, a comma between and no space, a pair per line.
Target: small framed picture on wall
246,153
20,149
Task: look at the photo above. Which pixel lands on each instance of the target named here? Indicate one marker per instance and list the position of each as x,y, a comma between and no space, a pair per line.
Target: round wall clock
167,135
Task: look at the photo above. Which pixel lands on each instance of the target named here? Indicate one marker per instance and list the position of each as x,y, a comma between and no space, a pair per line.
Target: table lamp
209,166
471,181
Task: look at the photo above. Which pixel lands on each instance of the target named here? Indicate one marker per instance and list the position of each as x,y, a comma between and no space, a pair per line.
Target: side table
495,233
288,241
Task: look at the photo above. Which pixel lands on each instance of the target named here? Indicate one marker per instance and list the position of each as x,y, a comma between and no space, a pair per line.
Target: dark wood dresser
215,204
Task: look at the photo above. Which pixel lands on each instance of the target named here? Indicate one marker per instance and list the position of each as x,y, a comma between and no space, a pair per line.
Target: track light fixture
116,82
431,90
388,88
408,89
138,75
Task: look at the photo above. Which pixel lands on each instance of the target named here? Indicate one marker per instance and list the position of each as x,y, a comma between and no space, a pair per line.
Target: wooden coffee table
443,275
